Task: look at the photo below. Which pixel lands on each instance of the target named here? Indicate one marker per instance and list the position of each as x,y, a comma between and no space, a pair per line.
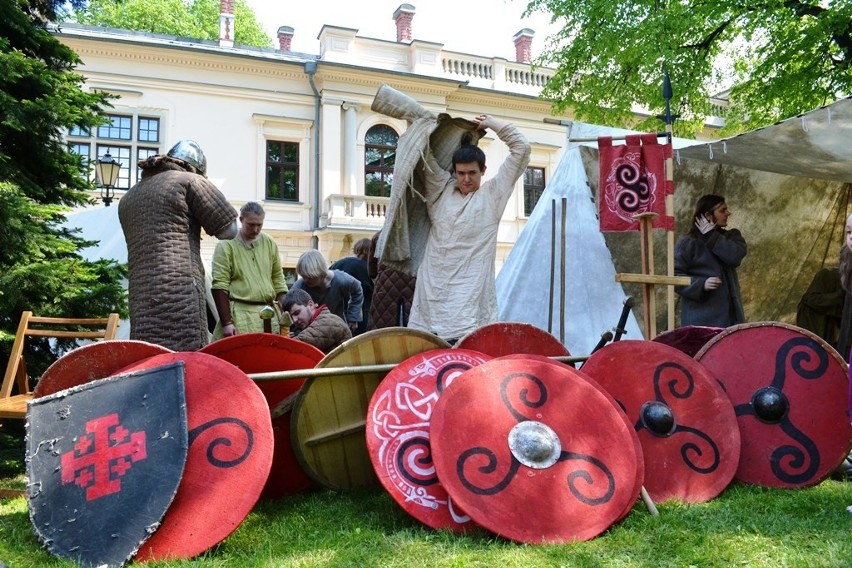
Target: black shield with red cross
104,462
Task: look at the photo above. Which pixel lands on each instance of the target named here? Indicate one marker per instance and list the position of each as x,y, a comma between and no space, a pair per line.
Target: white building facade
295,131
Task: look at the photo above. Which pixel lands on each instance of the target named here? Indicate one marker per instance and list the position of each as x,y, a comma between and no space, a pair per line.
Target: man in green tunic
247,276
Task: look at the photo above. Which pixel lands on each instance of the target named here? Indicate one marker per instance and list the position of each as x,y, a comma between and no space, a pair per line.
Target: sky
476,27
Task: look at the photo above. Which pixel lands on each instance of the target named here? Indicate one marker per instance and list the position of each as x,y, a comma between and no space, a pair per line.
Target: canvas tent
788,187
787,184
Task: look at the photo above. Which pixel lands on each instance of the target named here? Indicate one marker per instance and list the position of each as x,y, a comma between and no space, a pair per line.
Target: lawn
745,526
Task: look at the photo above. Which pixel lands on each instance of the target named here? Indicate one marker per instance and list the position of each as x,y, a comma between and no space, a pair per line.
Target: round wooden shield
685,422
93,361
230,454
790,391
266,353
505,338
637,448
689,338
330,413
520,446
398,434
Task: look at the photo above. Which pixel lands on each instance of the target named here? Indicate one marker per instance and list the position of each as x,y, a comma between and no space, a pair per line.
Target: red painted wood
266,353
695,462
505,338
814,437
223,405
398,434
578,497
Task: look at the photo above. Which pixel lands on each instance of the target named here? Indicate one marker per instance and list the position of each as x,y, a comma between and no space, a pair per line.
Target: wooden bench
15,405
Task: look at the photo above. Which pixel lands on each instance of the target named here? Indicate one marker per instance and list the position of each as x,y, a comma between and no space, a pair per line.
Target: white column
330,147
350,156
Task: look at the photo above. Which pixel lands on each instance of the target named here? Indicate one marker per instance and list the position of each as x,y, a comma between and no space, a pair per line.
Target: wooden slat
14,406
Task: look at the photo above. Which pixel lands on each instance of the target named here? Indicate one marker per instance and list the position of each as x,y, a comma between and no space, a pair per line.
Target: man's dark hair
469,153
297,296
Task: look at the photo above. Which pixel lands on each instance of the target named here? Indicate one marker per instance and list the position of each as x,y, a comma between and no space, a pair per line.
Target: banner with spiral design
633,181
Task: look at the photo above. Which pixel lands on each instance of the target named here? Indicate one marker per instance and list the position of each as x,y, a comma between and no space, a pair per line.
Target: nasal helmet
190,152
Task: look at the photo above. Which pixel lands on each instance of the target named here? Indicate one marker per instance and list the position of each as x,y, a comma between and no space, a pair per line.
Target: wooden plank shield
230,454
790,391
93,361
685,422
507,338
104,461
533,452
329,416
266,353
398,434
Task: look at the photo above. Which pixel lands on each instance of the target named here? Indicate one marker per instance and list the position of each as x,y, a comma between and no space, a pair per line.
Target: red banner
633,181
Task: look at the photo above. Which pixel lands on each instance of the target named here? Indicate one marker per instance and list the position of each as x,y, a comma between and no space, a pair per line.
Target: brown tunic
162,217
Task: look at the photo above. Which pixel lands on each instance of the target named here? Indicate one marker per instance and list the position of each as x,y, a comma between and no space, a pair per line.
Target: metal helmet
190,152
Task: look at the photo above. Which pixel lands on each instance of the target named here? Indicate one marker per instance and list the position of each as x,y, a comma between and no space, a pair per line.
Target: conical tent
592,300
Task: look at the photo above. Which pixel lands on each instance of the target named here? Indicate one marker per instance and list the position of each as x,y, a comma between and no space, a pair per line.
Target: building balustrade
362,210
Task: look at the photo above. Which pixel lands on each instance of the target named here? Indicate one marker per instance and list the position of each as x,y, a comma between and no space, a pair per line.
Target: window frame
386,172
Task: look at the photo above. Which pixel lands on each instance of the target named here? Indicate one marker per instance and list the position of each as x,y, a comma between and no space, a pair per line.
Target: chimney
523,44
403,16
226,23
285,36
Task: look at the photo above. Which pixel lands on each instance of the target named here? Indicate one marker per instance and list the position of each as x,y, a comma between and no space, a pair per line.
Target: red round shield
266,353
230,453
637,447
790,392
689,338
519,445
398,433
94,361
686,424
505,338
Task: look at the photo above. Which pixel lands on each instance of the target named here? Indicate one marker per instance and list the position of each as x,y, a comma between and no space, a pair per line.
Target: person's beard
846,269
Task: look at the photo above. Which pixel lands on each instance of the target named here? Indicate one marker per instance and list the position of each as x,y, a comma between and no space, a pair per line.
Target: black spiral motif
794,458
799,360
680,384
420,443
446,370
635,191
690,449
584,475
524,394
681,377
489,467
223,441
789,456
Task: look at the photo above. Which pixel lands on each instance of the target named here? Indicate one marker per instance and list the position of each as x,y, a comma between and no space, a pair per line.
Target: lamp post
106,172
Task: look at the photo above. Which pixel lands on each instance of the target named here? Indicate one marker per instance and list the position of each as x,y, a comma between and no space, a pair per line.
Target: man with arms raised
455,290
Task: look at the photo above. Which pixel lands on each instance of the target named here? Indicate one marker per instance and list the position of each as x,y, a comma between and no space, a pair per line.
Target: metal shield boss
790,393
534,452
104,461
685,422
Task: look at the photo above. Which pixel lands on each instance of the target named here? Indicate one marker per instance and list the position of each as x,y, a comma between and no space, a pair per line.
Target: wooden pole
649,299
359,369
562,274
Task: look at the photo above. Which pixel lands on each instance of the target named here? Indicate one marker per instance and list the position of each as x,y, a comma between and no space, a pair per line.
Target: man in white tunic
455,290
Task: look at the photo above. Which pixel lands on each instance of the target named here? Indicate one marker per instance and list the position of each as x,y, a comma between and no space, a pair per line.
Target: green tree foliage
778,57
40,179
198,19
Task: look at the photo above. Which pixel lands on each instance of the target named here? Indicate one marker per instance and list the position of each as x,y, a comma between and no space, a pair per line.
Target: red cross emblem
101,456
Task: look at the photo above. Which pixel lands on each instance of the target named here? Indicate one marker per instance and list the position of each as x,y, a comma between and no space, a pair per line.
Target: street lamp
106,172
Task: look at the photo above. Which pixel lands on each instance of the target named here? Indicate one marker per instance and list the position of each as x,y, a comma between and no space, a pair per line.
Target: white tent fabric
816,144
592,298
101,224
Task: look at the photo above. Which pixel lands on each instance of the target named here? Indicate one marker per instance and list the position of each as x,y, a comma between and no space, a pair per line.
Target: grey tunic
718,253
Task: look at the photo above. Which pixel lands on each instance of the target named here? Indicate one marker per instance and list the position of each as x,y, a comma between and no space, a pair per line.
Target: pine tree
41,97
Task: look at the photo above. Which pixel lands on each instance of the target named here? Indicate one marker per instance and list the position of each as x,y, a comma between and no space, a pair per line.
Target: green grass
745,526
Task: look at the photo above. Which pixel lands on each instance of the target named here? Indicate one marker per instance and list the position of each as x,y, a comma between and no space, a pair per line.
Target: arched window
379,159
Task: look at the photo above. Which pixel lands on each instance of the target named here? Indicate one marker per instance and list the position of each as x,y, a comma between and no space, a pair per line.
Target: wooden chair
15,406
